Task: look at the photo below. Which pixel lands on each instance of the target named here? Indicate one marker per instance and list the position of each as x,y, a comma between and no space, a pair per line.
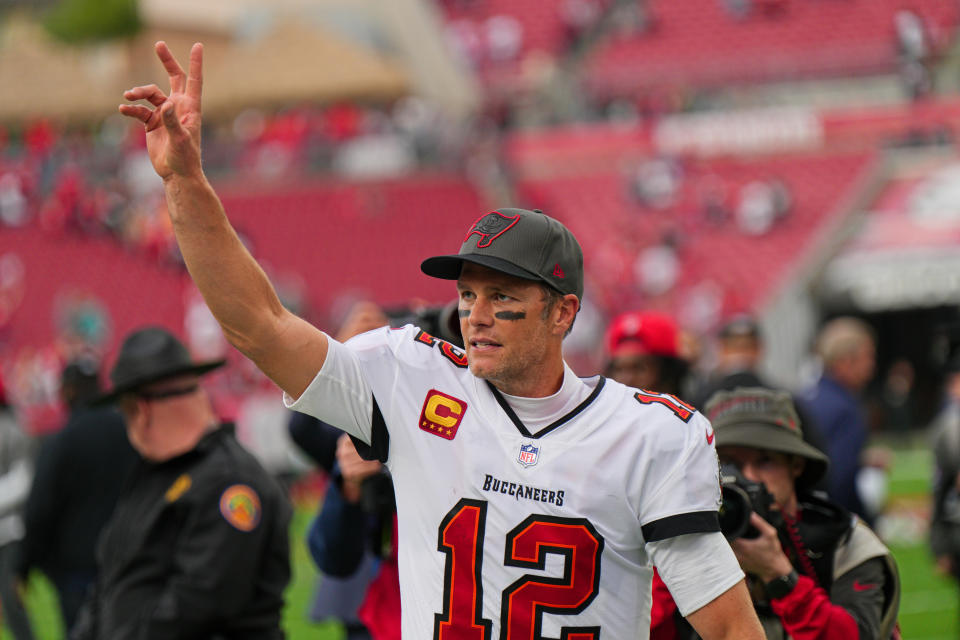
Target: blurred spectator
16,470
762,203
216,560
655,183
913,52
847,351
945,524
740,351
577,16
643,351
657,268
892,407
712,194
13,202
80,472
504,38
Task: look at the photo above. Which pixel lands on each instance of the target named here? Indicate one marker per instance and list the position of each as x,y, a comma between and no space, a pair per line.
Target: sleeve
697,568
42,512
853,609
218,559
338,535
340,394
681,481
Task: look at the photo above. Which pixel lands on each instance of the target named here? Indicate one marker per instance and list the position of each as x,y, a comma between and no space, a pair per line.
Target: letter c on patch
443,411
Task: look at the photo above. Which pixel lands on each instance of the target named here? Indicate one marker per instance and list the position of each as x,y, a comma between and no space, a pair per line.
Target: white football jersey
515,535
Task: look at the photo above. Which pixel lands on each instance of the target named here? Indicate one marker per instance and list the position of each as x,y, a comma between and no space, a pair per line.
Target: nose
481,312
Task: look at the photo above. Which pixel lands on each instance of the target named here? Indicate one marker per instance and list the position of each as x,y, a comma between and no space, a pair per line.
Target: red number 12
526,600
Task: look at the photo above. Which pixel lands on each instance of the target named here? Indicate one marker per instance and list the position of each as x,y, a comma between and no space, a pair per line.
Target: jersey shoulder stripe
408,344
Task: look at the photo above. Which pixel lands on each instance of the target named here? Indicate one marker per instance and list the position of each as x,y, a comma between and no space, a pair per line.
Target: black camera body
740,498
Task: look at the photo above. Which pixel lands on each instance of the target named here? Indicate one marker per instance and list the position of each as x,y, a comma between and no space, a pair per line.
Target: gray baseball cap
765,419
522,243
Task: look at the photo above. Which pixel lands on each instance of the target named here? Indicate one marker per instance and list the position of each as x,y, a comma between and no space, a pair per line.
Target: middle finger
174,70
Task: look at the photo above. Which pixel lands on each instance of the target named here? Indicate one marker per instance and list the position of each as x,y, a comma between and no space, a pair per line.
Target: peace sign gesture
173,126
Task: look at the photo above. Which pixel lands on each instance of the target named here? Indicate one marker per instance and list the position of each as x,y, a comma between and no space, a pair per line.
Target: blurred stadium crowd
772,163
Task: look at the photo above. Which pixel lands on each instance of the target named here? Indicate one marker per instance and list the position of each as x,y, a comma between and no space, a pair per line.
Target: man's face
776,471
739,353
863,364
505,334
638,370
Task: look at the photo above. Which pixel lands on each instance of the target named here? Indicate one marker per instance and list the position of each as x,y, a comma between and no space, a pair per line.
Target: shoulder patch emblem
442,414
178,488
240,506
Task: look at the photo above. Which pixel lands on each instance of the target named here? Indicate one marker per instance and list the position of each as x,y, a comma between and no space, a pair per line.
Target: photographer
814,570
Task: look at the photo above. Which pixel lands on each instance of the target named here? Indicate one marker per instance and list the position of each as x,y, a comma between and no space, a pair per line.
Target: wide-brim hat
521,243
764,419
150,355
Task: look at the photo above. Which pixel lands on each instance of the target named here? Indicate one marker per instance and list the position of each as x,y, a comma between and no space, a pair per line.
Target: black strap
680,524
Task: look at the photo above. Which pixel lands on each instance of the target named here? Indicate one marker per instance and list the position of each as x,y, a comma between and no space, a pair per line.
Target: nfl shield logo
529,455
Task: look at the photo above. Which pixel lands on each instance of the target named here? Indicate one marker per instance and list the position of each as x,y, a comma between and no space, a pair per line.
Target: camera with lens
740,498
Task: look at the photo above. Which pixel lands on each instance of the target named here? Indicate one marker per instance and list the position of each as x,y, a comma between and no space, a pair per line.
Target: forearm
232,283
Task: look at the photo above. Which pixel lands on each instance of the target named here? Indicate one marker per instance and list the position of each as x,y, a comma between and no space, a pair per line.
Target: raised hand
173,125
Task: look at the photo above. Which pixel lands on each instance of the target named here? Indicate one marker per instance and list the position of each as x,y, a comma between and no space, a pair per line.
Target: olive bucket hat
764,419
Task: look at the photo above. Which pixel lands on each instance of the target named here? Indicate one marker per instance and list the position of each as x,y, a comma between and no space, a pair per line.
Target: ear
566,313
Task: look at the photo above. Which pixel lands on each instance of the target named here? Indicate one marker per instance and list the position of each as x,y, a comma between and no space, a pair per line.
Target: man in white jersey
531,504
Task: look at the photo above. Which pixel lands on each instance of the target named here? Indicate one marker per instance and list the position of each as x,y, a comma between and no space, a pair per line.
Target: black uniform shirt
197,548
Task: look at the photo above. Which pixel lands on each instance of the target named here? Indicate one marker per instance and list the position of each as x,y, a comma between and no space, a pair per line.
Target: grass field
929,608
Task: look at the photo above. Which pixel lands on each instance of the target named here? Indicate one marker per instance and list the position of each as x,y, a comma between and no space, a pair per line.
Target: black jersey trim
379,446
680,524
550,427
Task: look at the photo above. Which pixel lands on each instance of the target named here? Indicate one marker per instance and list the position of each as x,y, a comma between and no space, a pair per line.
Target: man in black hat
530,503
197,545
80,472
820,572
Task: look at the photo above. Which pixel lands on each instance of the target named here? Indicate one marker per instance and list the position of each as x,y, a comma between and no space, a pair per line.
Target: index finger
174,70
195,75
762,525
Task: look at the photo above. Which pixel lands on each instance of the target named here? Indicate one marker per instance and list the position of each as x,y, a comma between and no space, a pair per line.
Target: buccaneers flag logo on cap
490,227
